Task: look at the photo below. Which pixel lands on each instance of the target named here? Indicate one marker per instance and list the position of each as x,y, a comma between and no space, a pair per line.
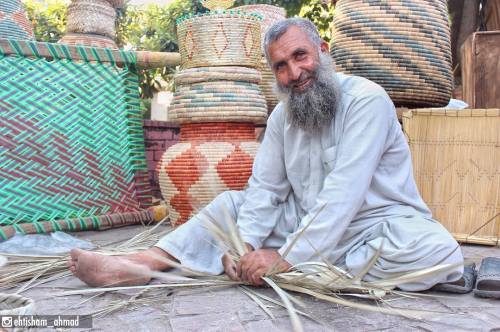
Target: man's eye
300,56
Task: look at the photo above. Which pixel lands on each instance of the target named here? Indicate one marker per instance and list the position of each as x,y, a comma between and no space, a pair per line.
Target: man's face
306,83
294,59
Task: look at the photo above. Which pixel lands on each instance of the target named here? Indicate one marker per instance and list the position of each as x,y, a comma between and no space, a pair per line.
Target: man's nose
294,72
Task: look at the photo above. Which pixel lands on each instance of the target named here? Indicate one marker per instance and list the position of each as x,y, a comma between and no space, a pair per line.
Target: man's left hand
253,265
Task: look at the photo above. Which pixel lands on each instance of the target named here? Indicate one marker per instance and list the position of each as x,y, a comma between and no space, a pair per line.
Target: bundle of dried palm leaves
321,280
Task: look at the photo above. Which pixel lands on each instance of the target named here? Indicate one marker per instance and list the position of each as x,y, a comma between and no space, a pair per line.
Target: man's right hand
230,266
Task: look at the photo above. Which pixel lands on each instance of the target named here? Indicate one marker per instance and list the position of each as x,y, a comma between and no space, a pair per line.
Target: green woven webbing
71,141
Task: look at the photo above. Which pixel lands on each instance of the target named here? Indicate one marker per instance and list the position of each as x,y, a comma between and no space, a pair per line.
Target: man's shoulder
356,86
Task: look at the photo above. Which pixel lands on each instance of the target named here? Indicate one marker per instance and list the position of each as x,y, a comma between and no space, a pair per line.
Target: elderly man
334,157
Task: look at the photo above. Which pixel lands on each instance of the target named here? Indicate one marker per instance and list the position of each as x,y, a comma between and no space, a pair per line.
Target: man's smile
302,85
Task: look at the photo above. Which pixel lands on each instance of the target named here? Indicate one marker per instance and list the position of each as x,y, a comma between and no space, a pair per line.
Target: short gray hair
279,28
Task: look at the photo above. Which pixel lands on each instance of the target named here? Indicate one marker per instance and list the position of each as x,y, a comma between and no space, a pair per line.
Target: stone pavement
229,309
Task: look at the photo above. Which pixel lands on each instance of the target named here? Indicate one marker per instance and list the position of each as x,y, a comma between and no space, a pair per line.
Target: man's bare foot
98,270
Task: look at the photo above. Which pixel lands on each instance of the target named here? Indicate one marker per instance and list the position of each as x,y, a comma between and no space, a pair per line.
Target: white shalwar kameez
355,175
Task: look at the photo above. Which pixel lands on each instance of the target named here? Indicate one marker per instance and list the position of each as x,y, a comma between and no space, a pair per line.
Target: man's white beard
314,107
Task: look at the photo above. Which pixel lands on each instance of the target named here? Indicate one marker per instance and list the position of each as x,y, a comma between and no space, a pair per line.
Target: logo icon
7,321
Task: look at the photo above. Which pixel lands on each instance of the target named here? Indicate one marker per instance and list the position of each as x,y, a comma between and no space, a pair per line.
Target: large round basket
209,159
270,15
86,39
213,94
13,305
92,16
228,38
402,45
13,21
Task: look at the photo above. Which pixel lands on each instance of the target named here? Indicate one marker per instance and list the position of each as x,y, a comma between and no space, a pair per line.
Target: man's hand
230,266
256,264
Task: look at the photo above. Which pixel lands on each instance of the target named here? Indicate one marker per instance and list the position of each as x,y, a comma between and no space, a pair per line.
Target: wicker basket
14,305
402,45
13,21
116,3
456,162
226,38
209,159
270,15
209,94
88,40
91,16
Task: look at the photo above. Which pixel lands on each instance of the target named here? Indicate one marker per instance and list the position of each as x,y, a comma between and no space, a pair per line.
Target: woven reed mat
456,160
209,159
72,141
404,46
13,21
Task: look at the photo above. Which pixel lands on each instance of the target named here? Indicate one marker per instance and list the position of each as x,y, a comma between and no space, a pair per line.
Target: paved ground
231,310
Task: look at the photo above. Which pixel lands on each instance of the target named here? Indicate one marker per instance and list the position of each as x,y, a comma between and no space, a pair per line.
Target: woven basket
208,94
219,39
271,15
91,16
14,304
13,21
88,40
209,159
267,85
456,162
116,3
402,45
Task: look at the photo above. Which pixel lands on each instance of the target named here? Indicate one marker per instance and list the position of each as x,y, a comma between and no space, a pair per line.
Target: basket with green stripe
402,45
71,137
212,94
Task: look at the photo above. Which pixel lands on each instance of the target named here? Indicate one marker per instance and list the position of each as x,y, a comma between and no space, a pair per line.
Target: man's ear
325,48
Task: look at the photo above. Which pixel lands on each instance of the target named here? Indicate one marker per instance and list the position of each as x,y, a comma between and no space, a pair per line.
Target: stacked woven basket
402,45
270,15
92,23
217,103
13,21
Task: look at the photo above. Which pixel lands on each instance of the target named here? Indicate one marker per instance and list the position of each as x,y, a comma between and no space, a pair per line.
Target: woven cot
71,138
456,162
402,45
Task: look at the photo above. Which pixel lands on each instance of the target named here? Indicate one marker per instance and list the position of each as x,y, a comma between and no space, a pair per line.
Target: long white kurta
355,176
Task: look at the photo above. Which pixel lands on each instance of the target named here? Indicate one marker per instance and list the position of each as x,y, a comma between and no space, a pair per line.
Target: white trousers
408,243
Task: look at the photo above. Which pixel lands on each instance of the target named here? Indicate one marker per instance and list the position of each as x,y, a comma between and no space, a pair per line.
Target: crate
456,162
480,63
